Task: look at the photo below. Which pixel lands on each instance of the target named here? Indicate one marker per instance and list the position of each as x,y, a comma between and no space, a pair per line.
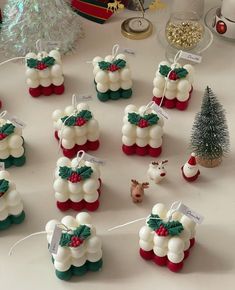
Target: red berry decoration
75,242
41,66
113,67
162,231
74,177
173,76
2,136
143,123
80,122
221,27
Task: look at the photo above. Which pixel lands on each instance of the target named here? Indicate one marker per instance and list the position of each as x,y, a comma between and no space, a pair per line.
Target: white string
115,50
176,58
2,114
79,157
74,101
174,207
149,105
39,45
11,59
23,239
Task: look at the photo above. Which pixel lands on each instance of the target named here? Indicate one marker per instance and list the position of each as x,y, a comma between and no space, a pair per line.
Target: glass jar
184,30
196,6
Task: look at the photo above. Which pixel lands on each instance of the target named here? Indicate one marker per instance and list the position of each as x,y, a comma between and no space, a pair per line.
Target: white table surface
212,261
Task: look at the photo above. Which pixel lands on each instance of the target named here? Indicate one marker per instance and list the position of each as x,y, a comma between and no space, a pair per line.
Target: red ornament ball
175,267
93,145
63,206
160,261
221,27
147,255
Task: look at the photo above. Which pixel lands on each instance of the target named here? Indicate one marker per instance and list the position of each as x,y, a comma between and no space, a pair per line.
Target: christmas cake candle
174,85
77,185
80,249
11,144
112,77
76,129
167,241
142,131
11,206
44,73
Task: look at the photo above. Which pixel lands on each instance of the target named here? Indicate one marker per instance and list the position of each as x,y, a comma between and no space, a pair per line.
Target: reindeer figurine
157,171
115,6
137,190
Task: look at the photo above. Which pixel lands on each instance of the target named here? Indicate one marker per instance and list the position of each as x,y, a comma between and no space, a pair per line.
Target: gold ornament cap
136,28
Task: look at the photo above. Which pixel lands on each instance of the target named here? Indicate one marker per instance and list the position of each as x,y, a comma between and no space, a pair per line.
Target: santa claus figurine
190,169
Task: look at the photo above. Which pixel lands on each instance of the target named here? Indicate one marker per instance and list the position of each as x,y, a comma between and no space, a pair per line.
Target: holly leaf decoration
154,222
85,172
134,118
85,114
65,239
104,65
181,72
143,121
151,118
82,232
164,70
4,186
32,62
48,61
113,66
7,129
174,228
120,63
177,73
69,121
65,172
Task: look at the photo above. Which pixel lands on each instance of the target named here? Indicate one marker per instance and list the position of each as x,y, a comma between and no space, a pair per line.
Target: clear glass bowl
184,30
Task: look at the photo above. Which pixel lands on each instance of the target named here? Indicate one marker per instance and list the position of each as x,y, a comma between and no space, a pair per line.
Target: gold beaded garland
184,35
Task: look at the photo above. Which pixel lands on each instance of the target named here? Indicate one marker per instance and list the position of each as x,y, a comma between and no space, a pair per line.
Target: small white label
160,111
196,217
93,159
15,121
2,166
55,240
129,51
190,56
84,98
50,45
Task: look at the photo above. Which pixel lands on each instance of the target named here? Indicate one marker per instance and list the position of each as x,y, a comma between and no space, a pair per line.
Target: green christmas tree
210,136
26,21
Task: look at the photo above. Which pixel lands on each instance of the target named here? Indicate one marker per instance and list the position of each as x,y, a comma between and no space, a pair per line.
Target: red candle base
88,146
163,261
170,104
141,151
46,91
81,205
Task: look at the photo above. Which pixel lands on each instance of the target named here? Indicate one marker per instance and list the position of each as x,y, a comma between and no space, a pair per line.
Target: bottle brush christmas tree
210,136
26,21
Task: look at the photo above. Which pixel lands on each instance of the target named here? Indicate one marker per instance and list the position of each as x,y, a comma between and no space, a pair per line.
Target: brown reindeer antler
155,163
164,161
135,182
145,185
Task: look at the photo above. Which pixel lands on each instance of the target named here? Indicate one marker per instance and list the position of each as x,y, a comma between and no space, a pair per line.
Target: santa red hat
192,160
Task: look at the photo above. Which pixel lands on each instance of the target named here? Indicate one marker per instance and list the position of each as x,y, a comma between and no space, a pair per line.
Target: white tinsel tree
26,21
